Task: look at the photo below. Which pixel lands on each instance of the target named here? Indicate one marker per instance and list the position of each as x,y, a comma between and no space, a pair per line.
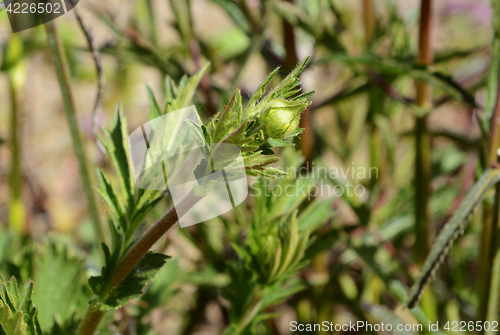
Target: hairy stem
70,109
423,230
93,316
91,320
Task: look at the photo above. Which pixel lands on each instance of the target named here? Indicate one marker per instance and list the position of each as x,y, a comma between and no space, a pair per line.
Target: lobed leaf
60,281
18,315
132,287
115,142
154,108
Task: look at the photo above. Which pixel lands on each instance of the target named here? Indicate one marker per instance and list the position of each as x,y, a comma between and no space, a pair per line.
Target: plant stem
423,230
369,18
494,140
491,144
489,298
490,270
17,211
93,315
91,320
306,140
70,109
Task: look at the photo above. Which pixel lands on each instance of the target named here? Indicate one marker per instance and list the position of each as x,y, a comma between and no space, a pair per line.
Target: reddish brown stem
93,315
423,229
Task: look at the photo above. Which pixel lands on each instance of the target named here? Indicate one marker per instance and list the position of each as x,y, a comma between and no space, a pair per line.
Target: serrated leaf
140,214
135,282
115,142
11,324
271,172
450,233
259,92
60,279
171,91
185,90
199,137
22,318
228,119
154,108
107,193
256,160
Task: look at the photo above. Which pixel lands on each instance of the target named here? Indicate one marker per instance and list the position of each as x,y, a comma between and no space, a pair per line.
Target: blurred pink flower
479,11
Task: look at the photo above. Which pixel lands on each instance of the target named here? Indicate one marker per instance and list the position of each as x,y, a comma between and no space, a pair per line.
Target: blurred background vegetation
365,113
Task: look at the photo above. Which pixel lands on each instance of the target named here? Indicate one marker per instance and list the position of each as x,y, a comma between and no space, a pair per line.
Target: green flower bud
282,118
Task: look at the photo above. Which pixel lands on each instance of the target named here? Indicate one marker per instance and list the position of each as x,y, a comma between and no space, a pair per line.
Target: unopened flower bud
282,118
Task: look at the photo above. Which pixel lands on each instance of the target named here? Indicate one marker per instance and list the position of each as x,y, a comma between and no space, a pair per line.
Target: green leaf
18,315
316,214
140,214
259,92
268,172
185,91
11,324
13,53
60,278
107,193
257,161
277,293
199,137
154,108
450,233
115,142
228,119
135,282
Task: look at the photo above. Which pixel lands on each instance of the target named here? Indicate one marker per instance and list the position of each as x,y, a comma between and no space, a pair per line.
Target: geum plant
268,121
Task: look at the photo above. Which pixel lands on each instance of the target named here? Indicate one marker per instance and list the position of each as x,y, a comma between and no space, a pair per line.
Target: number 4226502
33,8
455,326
